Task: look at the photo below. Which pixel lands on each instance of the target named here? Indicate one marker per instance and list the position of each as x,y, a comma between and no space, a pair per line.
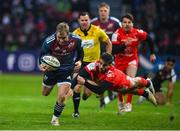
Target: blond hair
62,27
103,4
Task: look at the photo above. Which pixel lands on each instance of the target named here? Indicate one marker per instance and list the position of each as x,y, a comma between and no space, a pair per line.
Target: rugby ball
51,61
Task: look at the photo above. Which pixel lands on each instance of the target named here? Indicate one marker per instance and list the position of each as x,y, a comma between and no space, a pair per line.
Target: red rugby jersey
132,39
114,76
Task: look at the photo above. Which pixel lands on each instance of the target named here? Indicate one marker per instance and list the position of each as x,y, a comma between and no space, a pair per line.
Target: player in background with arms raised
109,24
160,74
66,47
125,49
92,36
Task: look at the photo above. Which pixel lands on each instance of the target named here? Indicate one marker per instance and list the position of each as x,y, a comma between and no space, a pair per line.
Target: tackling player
66,47
125,47
91,36
102,75
109,24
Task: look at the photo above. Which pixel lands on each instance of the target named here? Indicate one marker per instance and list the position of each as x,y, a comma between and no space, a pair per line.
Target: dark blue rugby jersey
162,75
67,53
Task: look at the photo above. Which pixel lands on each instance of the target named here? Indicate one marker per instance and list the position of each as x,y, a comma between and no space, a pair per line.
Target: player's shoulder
114,19
94,19
50,38
118,31
94,27
137,30
77,30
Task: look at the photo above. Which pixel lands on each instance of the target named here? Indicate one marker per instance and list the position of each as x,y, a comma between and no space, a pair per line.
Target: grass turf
22,107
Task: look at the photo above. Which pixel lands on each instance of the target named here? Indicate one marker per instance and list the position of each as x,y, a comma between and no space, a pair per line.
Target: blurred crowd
161,19
24,23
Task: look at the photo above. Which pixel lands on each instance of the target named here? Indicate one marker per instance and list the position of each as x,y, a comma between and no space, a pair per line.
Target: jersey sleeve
117,22
90,67
80,51
45,49
115,39
142,35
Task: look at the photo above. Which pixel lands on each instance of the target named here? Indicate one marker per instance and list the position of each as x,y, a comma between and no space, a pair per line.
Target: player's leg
86,94
46,89
48,83
64,84
121,105
63,89
76,94
120,96
76,100
130,71
102,101
145,93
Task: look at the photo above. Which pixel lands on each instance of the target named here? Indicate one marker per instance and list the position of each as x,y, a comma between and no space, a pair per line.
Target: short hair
107,58
62,27
104,4
171,59
83,14
128,16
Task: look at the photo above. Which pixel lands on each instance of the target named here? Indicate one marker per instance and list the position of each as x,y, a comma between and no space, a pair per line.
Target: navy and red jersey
161,75
114,77
67,53
109,27
133,39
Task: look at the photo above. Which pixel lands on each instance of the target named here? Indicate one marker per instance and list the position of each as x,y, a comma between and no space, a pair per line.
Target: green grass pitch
22,107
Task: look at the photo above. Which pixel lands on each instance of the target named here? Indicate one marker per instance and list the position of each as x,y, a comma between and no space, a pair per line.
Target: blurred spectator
31,20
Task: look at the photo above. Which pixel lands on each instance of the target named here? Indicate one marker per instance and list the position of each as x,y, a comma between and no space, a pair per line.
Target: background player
67,48
125,47
109,24
161,73
91,36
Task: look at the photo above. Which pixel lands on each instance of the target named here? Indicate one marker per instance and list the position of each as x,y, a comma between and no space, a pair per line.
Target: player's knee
61,98
45,93
160,99
161,102
77,89
85,96
46,90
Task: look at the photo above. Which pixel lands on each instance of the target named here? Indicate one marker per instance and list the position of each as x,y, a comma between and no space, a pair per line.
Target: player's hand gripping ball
49,62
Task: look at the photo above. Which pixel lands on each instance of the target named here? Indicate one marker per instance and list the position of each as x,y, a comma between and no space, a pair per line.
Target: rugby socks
58,108
76,102
120,98
129,98
145,94
85,97
140,92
